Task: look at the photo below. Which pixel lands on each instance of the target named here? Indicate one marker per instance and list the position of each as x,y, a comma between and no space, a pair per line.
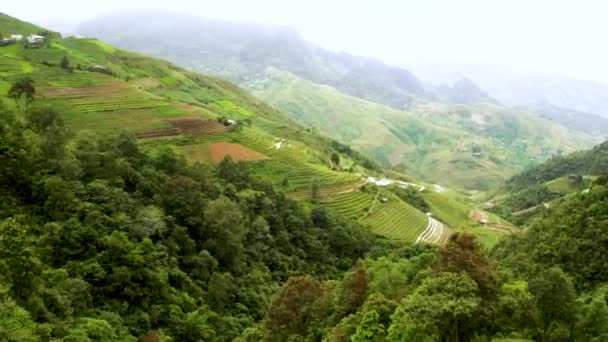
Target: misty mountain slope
463,91
583,96
432,140
238,51
577,104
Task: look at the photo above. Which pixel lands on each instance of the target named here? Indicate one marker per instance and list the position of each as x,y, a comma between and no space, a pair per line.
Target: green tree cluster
100,241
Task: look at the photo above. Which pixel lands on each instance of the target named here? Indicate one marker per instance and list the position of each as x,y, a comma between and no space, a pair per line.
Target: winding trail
435,232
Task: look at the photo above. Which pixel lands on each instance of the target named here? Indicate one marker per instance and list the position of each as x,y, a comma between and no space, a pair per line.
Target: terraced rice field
329,192
10,66
44,55
190,126
353,205
238,152
93,102
396,220
294,159
290,153
435,233
197,126
76,79
86,51
111,96
158,133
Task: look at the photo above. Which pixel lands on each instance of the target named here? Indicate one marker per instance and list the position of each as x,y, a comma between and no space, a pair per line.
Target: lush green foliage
589,162
569,235
104,238
101,241
413,197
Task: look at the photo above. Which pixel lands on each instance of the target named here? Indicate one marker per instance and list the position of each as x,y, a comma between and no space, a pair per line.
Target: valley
322,196
383,111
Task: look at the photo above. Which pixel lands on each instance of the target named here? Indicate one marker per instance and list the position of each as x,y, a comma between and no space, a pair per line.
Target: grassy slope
423,140
144,93
10,25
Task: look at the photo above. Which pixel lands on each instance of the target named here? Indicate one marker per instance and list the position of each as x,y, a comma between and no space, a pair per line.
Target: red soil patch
236,151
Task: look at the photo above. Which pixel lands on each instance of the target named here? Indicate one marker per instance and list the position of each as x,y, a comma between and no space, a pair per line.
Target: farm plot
195,152
352,205
290,152
396,220
76,79
194,127
50,55
238,152
86,51
114,104
197,126
10,66
300,178
328,192
157,133
296,168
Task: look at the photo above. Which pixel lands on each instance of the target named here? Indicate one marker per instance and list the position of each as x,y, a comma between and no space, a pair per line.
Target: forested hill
590,162
99,241
531,193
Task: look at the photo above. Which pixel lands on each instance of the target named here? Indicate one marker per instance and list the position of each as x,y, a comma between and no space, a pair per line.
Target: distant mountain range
576,104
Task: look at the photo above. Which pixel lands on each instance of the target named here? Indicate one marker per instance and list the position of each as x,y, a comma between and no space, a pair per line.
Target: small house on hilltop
13,38
35,40
229,122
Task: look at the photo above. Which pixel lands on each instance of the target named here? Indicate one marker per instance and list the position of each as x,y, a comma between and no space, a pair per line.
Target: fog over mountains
239,51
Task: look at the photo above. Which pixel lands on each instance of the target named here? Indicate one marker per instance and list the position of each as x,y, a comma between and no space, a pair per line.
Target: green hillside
528,194
106,90
356,100
422,140
10,25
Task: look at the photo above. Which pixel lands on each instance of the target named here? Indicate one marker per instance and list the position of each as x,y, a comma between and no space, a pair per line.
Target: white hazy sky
559,37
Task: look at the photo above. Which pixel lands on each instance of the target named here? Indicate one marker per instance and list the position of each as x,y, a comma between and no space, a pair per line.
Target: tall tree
335,158
440,310
355,289
463,253
293,308
314,190
65,63
22,87
370,329
555,299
